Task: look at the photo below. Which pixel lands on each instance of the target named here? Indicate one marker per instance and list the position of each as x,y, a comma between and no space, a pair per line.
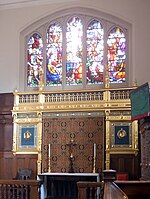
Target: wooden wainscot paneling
128,163
26,161
10,163
6,121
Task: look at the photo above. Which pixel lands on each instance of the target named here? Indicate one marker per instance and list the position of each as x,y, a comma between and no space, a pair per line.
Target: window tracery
75,52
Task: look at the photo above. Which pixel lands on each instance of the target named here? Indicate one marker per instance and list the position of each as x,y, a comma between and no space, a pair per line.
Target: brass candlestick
94,164
49,165
94,158
71,169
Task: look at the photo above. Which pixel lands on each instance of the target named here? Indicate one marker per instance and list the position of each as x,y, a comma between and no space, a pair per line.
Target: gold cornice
72,91
27,120
124,151
69,106
119,118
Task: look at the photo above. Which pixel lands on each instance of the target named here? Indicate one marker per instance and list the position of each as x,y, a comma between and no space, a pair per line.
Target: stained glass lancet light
34,59
54,55
74,51
95,53
117,55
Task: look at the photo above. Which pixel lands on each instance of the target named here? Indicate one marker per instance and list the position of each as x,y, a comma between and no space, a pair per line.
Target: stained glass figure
74,48
117,55
34,60
54,55
95,53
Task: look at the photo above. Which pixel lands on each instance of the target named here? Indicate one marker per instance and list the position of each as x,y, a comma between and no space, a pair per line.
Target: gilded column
39,161
107,162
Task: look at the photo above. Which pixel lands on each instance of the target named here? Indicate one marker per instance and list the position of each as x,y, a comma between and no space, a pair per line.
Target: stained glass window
117,55
54,55
74,51
94,53
34,59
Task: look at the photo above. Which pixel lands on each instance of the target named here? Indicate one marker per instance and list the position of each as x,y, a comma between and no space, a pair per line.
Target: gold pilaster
135,136
39,162
107,162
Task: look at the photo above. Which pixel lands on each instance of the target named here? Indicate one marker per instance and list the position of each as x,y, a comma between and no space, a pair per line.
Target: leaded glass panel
71,51
34,59
54,55
95,53
74,48
117,55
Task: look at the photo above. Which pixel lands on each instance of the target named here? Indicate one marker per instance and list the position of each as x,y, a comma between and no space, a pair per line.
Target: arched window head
34,59
117,55
94,53
54,55
74,51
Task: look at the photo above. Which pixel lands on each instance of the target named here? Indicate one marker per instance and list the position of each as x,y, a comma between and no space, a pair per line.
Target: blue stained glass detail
54,55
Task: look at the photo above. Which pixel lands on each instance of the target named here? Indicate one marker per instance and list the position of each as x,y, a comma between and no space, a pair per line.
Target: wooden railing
112,191
101,190
37,97
90,190
19,189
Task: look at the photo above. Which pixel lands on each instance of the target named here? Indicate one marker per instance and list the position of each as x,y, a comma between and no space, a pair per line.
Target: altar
63,185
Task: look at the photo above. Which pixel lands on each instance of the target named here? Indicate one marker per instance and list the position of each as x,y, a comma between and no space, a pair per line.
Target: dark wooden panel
6,121
6,102
33,165
10,164
6,136
27,161
8,168
135,189
128,163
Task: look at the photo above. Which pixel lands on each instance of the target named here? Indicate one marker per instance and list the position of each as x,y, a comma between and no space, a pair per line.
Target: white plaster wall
14,20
